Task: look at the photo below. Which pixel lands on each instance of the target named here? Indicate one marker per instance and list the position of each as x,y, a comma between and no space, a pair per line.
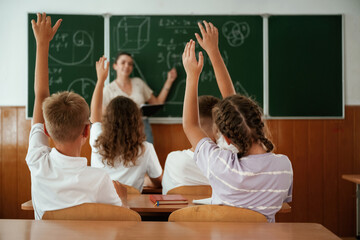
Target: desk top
142,204
355,178
57,229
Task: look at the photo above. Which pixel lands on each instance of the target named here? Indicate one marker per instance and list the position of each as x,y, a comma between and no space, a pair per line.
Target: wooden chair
204,190
215,213
93,212
132,190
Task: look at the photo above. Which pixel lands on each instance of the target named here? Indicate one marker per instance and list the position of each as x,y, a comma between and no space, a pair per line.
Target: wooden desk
142,204
35,229
355,179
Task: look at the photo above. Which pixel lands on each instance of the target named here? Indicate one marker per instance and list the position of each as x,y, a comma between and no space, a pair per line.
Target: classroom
322,146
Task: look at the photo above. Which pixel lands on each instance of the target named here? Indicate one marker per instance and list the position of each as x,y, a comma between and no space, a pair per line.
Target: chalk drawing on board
240,89
132,33
173,60
82,86
174,100
235,33
70,49
138,70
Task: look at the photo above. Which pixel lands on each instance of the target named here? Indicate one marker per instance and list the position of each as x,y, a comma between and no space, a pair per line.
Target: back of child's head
206,104
240,120
122,134
65,114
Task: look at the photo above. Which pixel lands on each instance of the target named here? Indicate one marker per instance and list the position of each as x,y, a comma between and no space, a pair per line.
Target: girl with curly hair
117,138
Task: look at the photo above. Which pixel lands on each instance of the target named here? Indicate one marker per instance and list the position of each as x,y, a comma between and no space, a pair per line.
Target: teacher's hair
122,53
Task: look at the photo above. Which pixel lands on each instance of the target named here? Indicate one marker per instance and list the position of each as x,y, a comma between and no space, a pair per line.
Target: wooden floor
320,151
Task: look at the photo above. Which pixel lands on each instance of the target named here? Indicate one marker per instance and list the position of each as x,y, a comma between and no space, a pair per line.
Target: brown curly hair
122,134
240,119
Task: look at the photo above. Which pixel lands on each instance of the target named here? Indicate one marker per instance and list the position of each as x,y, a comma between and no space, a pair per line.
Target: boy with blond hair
60,178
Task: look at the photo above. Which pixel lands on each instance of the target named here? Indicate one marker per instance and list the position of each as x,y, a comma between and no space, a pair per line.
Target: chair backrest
93,212
132,190
215,213
205,190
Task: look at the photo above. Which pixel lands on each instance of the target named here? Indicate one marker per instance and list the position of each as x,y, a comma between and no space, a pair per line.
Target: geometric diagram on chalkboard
235,33
173,100
132,33
71,49
82,86
240,89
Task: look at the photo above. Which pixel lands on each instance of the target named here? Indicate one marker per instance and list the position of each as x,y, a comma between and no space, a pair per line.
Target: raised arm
97,97
43,33
193,68
160,99
209,42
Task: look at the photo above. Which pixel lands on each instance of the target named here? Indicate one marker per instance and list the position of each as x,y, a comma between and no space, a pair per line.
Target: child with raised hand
117,138
255,178
60,178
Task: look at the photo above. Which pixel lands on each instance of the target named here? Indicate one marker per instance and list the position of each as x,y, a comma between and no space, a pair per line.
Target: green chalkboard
305,66
157,43
78,43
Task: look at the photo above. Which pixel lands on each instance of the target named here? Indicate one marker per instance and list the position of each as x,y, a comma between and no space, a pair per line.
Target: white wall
13,30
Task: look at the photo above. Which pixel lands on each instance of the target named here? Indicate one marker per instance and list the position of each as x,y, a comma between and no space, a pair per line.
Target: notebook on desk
168,199
204,201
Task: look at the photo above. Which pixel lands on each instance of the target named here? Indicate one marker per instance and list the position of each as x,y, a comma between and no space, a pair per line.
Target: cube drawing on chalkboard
132,33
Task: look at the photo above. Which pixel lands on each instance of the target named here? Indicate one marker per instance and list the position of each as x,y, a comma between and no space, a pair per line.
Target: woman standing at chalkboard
135,88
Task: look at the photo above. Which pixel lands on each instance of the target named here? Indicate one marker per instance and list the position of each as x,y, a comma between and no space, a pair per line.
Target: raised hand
102,71
210,37
192,67
42,29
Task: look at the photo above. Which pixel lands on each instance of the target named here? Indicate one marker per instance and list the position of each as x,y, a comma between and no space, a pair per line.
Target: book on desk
168,199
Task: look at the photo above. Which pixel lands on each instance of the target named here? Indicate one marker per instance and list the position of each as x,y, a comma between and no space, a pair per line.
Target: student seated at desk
180,167
117,139
254,178
60,178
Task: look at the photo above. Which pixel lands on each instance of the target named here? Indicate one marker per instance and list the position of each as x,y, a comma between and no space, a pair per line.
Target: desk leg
357,211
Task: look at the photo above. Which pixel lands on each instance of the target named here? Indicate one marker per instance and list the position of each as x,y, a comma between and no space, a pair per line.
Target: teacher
135,88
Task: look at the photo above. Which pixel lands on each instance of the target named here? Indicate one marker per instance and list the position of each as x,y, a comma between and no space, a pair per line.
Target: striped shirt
259,182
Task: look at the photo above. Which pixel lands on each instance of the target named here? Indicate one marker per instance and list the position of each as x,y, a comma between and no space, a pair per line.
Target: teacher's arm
160,99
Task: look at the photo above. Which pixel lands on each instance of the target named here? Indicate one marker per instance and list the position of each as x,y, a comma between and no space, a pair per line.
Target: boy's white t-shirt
59,181
181,170
148,163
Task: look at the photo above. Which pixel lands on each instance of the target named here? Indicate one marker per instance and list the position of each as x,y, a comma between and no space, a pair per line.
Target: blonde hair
122,134
65,114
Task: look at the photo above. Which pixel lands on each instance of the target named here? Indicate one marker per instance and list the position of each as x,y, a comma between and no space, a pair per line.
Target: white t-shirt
140,94
59,181
148,163
181,170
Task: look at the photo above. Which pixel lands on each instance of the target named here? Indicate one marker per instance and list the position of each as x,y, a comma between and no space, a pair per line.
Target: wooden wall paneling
356,140
345,163
330,173
300,168
168,138
1,175
9,163
272,126
24,179
315,171
86,151
285,146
